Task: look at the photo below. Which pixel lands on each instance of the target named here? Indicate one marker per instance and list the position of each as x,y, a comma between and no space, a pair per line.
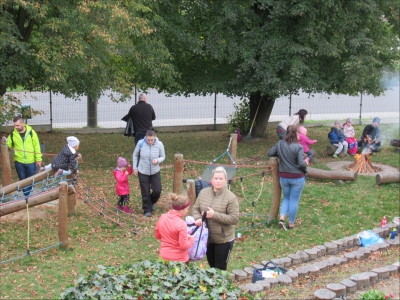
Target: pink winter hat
302,130
121,162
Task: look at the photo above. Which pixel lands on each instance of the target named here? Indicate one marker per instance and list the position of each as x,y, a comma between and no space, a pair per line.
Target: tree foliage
268,48
81,47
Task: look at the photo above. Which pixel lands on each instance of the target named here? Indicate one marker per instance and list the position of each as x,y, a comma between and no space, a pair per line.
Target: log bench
395,143
331,149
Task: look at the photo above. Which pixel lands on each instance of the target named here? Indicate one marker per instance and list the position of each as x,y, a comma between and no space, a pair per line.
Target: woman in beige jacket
222,208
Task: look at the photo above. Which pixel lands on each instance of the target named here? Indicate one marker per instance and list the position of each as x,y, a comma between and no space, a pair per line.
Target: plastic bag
369,238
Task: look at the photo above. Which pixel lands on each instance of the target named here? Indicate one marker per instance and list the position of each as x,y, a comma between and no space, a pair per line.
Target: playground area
330,208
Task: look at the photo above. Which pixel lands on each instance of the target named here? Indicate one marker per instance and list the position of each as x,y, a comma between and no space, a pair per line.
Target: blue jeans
24,171
292,188
139,136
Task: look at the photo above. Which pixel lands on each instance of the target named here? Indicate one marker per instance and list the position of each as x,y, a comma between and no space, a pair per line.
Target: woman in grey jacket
292,170
148,155
222,208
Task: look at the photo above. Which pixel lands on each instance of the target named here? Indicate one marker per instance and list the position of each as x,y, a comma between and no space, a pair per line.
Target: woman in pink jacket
121,173
172,231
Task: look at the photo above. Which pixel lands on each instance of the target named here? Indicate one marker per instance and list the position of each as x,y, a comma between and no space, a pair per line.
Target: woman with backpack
222,213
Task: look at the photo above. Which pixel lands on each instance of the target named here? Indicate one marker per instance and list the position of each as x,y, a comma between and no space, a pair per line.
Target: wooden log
387,178
5,163
395,142
14,206
332,175
239,275
351,286
191,193
178,174
330,149
276,189
337,288
63,214
324,294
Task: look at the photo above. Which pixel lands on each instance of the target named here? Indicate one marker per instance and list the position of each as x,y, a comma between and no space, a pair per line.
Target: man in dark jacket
142,115
371,137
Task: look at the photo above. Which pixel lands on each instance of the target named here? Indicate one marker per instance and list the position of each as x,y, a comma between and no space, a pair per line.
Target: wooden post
276,189
191,193
5,163
63,214
178,174
233,149
71,203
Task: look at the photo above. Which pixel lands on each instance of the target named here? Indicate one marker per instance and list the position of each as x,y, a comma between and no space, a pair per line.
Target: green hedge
154,280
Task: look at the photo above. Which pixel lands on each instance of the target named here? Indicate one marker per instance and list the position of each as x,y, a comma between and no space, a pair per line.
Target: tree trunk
3,90
91,112
263,114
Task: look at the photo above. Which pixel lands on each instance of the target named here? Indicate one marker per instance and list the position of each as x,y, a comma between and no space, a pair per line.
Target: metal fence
62,112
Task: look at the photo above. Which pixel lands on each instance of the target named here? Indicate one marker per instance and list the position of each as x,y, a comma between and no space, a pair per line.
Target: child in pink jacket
305,141
121,173
171,230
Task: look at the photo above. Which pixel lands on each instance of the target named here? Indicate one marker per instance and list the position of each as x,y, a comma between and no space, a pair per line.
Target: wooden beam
276,189
63,214
191,193
5,163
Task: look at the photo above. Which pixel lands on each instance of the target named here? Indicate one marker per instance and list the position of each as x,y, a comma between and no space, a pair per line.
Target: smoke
389,132
390,80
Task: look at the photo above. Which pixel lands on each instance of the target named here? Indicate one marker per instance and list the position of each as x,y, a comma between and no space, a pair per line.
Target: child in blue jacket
336,138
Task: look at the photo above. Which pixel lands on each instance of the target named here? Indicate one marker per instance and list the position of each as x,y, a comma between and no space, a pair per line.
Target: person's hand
4,139
198,222
79,155
210,213
154,161
315,141
38,163
135,172
339,143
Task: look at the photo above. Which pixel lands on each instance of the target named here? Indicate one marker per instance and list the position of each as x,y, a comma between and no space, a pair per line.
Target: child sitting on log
349,133
305,141
336,139
65,162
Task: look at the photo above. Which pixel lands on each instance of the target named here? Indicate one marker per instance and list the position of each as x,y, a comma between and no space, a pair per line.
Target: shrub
154,280
374,295
241,117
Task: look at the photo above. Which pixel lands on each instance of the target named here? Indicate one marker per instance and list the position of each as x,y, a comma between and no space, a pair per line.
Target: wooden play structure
45,188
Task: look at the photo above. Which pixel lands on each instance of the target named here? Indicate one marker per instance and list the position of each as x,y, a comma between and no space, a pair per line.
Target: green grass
327,211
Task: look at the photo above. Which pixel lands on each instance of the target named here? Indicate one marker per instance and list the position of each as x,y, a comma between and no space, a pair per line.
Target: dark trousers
123,200
139,136
148,182
218,254
24,171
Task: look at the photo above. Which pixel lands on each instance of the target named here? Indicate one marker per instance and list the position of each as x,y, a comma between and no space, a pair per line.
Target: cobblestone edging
331,249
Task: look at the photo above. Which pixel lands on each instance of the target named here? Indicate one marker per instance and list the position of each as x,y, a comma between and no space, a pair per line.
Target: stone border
331,249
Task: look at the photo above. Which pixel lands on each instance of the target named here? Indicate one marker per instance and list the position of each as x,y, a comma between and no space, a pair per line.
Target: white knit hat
72,141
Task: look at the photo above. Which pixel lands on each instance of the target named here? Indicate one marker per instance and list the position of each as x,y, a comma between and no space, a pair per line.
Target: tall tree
268,48
81,47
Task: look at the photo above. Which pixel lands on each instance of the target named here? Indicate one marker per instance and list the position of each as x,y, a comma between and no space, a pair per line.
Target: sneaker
334,155
282,225
153,207
148,214
119,207
127,210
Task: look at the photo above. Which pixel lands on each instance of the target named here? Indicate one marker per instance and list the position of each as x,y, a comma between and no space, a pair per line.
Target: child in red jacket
121,173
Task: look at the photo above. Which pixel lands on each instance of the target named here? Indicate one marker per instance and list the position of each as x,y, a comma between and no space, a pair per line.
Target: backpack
199,185
199,248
